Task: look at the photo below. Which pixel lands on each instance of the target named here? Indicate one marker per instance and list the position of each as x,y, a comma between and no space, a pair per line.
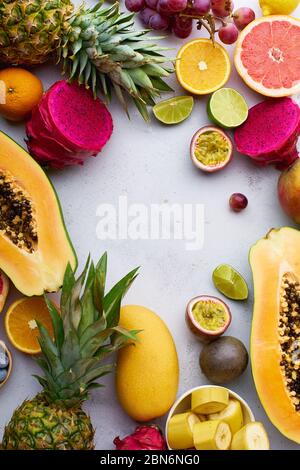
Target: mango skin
147,372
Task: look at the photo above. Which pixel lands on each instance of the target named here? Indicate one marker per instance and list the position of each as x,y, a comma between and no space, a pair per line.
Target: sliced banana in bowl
210,417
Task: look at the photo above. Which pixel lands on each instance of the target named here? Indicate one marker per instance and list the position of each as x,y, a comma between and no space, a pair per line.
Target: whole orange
20,91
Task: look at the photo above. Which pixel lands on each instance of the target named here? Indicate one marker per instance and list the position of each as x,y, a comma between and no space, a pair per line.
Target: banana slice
251,437
212,435
180,430
232,415
209,400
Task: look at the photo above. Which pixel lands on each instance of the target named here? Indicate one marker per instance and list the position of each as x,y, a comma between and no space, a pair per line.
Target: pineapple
97,46
85,333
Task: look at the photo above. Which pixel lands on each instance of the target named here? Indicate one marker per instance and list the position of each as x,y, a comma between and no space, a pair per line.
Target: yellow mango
147,370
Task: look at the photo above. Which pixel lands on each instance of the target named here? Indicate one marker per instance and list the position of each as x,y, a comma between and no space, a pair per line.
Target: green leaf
154,70
146,96
160,85
90,348
129,335
88,312
93,330
78,372
87,302
70,352
43,363
57,323
142,109
68,283
99,283
112,300
75,305
99,372
94,385
121,98
114,313
140,78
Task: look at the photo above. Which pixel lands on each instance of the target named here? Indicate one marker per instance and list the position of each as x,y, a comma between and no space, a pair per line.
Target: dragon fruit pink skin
68,126
143,438
270,133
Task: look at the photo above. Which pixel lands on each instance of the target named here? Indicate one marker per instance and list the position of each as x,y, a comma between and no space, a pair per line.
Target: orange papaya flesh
275,336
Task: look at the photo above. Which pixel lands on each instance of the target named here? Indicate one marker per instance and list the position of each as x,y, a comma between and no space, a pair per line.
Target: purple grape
199,7
176,6
151,4
228,34
163,7
159,22
242,17
238,202
146,14
134,5
182,27
222,8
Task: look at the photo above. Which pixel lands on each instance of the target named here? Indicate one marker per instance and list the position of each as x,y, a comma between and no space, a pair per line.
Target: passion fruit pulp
211,149
207,317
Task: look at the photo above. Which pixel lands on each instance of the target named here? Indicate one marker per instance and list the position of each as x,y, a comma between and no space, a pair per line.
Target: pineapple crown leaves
85,332
102,51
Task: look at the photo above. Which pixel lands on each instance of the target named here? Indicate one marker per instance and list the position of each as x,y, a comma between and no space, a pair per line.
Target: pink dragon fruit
270,133
143,438
68,126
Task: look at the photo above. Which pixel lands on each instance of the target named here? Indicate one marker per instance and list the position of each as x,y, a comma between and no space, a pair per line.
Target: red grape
151,4
175,6
242,17
182,27
146,14
158,22
238,202
222,8
228,34
134,5
163,7
199,7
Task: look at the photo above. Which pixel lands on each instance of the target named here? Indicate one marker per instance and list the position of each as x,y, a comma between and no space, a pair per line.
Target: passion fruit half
207,317
211,149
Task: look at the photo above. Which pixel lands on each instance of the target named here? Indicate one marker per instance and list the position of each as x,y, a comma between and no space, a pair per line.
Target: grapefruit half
267,55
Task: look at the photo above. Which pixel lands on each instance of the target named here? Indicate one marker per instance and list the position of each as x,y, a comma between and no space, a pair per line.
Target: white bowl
184,404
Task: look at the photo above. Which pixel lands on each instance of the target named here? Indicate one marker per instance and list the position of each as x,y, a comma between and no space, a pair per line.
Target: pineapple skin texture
30,30
37,425
147,372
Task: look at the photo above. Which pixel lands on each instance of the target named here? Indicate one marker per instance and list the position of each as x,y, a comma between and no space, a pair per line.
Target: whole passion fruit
211,149
207,317
224,360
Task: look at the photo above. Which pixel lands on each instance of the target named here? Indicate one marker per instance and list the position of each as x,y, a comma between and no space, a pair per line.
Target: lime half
228,281
174,110
227,108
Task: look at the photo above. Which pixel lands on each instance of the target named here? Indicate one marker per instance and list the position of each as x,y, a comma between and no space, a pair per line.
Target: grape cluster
217,16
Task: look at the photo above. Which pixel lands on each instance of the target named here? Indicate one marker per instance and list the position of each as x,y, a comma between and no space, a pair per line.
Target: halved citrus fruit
174,110
202,66
267,55
21,323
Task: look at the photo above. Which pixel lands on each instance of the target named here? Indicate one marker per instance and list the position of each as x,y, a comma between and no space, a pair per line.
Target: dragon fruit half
68,126
143,438
271,133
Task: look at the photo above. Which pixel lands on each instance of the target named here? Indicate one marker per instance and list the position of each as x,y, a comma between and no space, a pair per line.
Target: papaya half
34,245
275,336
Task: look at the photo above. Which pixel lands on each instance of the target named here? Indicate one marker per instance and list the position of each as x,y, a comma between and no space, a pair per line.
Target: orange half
20,323
202,67
267,55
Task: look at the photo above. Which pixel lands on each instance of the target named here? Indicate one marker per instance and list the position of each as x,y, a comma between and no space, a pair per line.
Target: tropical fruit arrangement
77,342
